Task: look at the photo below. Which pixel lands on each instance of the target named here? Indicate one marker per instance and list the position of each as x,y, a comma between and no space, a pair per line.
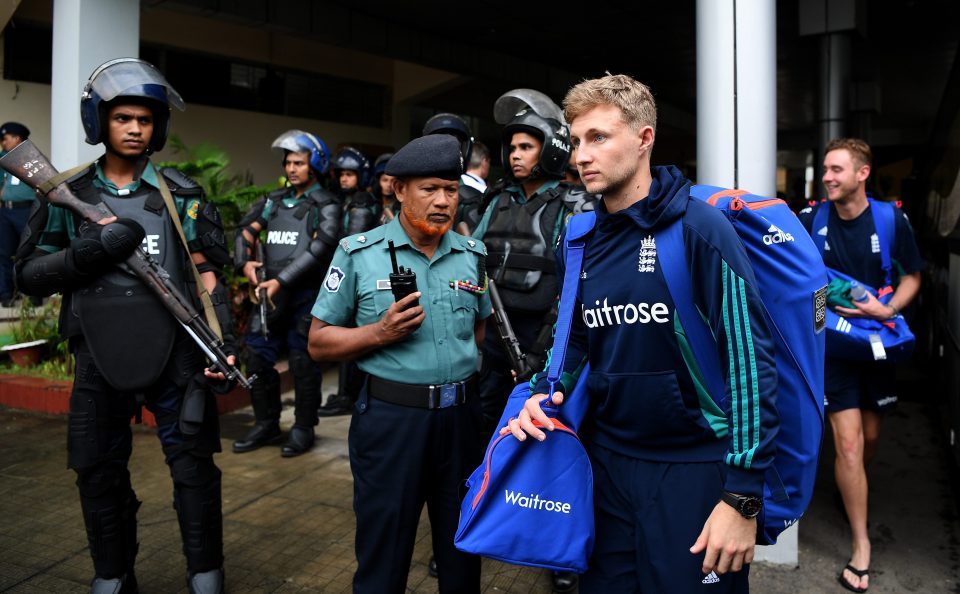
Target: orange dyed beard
426,227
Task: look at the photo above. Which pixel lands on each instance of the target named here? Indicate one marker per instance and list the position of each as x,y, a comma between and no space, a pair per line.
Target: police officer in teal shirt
415,432
16,198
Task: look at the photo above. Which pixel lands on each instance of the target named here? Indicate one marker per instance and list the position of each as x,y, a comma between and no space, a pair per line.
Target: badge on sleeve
334,278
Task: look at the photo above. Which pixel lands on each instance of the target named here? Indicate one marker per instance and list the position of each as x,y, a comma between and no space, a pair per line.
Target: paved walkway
289,523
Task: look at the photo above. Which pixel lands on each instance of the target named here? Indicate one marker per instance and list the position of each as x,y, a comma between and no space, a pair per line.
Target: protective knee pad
109,508
306,384
196,498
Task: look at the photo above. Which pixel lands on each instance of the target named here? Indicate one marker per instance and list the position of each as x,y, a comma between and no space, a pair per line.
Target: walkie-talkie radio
402,282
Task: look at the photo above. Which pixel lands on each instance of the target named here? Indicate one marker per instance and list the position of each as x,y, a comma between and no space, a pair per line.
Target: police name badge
334,278
820,309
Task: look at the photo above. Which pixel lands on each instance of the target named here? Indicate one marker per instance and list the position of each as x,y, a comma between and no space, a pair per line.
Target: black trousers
401,458
99,445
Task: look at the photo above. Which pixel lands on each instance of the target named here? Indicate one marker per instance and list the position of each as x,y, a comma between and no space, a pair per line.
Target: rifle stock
34,169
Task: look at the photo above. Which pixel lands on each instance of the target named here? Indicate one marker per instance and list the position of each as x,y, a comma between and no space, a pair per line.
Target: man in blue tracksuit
678,480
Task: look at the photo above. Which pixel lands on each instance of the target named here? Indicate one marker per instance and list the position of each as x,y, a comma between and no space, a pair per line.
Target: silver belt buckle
448,395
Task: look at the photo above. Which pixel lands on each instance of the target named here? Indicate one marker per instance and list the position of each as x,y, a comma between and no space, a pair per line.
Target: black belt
16,203
429,397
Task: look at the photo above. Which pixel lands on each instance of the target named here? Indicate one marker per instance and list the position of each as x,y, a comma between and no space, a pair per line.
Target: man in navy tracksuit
678,480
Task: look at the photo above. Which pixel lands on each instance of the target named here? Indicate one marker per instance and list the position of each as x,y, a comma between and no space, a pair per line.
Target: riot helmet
351,159
136,80
530,111
381,164
454,125
298,141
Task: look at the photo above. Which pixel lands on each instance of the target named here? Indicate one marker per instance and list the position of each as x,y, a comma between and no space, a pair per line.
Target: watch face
750,507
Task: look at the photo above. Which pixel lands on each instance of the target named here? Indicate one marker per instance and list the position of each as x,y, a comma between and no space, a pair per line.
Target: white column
737,94
737,123
716,105
86,33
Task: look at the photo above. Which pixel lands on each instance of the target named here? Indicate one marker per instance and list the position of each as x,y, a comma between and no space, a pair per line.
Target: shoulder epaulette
471,244
180,183
362,240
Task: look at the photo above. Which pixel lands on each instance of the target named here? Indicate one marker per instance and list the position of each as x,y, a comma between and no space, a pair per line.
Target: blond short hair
859,150
636,103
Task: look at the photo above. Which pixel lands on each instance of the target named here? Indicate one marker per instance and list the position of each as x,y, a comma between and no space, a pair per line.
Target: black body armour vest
288,234
520,251
128,330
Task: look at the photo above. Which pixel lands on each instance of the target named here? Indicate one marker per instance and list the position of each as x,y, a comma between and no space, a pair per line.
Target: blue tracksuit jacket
647,400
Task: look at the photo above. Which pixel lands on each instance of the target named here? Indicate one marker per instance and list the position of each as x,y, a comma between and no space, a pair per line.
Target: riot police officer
523,216
108,316
415,432
353,173
383,189
298,227
454,125
361,212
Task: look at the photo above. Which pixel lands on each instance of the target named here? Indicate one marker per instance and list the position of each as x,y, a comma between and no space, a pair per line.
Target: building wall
246,135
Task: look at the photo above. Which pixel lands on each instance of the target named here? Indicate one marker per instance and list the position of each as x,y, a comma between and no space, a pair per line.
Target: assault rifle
518,360
262,293
34,169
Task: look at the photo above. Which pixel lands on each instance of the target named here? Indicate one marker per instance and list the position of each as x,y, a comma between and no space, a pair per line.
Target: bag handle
883,220
577,228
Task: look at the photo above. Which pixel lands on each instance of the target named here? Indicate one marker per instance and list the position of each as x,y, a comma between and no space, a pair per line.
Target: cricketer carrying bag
791,283
865,339
531,502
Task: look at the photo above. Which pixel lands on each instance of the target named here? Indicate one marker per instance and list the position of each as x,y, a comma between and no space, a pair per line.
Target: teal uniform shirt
12,189
356,292
60,222
517,191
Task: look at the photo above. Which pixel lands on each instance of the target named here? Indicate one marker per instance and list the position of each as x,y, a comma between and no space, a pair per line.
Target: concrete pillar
737,94
86,33
834,84
737,122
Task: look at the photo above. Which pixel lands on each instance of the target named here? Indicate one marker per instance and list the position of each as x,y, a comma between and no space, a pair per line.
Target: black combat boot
306,387
265,397
300,441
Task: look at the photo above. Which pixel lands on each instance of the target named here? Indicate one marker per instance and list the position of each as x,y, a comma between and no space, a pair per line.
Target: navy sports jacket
647,400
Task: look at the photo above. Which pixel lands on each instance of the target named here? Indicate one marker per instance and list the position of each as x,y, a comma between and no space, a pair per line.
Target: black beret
15,128
434,155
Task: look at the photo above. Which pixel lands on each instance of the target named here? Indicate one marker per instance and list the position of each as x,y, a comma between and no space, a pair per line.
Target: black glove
98,246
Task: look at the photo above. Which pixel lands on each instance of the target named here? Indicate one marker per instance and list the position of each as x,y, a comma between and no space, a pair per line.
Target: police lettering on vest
283,237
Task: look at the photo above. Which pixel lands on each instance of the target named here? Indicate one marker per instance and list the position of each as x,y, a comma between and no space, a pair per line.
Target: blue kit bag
791,283
863,339
531,502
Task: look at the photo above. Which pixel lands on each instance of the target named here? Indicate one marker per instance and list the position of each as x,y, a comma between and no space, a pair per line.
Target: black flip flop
860,573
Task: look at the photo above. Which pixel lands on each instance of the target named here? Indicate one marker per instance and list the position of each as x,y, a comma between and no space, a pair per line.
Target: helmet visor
114,78
513,102
293,140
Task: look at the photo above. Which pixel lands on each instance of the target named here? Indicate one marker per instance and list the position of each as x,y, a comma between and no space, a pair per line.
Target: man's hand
272,286
728,538
872,309
532,412
401,319
218,375
250,271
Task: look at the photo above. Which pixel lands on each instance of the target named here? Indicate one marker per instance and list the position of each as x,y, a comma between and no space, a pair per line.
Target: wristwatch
747,506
